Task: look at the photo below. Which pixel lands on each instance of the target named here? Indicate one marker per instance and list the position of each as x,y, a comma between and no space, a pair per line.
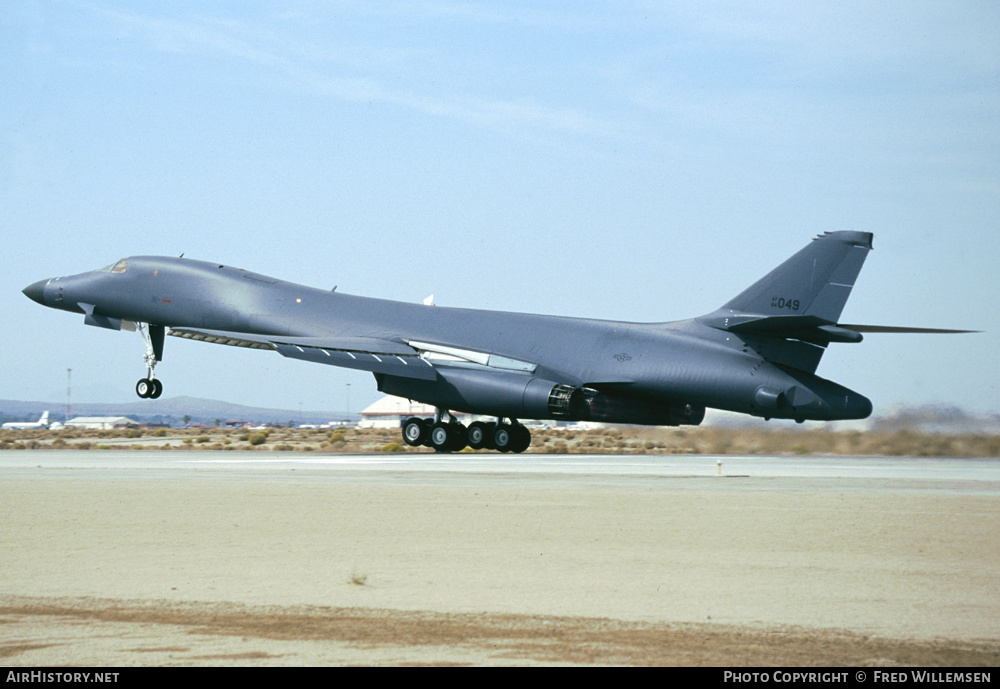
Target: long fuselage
683,362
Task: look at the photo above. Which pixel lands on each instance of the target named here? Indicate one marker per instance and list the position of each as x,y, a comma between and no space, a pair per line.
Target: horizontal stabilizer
814,330
805,328
895,329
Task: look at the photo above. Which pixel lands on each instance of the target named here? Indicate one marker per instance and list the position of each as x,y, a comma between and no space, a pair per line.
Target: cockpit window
119,267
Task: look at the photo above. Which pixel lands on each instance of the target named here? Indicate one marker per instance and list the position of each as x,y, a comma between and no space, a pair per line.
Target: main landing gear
506,435
149,387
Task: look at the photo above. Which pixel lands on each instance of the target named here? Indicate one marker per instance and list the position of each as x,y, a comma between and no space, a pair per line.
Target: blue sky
629,160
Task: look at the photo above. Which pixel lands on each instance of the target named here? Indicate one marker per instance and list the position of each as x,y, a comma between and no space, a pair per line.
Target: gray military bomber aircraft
756,355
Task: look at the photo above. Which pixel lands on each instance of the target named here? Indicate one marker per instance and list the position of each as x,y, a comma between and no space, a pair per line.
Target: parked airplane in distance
757,354
43,422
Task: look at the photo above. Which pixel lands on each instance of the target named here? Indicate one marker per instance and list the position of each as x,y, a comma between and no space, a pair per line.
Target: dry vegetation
709,440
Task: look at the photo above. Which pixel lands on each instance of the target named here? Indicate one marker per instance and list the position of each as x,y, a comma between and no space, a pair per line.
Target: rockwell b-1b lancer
757,354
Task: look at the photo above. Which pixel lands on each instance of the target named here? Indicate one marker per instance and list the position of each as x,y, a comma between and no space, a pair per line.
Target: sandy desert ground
210,570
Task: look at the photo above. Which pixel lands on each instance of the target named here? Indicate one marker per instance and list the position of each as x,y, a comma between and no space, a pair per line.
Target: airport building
101,423
390,411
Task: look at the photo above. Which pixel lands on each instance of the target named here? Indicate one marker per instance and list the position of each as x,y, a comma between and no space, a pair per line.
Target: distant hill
169,410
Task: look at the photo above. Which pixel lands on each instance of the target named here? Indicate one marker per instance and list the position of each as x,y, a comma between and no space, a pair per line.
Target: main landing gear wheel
149,388
511,437
481,435
448,436
415,431
452,436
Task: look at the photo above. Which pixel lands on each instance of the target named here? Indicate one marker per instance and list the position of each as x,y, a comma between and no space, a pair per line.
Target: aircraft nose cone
36,291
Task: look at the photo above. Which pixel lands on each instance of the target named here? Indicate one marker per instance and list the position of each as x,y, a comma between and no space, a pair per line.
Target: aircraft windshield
119,267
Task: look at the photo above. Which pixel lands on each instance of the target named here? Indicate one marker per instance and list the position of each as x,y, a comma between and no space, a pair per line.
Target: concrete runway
935,475
137,546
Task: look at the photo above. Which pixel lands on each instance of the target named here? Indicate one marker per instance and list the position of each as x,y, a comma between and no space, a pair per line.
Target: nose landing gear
149,387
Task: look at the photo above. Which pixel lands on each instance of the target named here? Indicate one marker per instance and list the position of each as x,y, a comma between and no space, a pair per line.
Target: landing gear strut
149,387
506,435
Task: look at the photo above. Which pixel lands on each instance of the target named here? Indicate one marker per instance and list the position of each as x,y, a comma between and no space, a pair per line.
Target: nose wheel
149,388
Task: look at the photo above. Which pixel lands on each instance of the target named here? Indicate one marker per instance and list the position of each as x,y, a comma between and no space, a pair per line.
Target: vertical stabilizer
790,315
814,282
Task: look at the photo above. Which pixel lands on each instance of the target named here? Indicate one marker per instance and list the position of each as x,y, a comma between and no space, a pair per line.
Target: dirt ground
130,571
158,633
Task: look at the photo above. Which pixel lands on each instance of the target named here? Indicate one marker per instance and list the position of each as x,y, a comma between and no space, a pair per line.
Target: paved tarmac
599,471
121,555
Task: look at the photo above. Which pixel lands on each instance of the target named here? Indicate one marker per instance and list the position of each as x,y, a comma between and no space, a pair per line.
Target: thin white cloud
330,73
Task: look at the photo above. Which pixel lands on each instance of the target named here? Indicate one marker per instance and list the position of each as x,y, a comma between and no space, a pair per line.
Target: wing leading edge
372,354
409,359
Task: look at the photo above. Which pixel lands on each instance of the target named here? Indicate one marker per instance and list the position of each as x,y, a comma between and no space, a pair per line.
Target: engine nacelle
498,393
492,393
593,405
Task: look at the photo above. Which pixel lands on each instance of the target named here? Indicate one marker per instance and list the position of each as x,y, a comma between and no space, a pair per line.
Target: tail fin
790,314
44,419
814,282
